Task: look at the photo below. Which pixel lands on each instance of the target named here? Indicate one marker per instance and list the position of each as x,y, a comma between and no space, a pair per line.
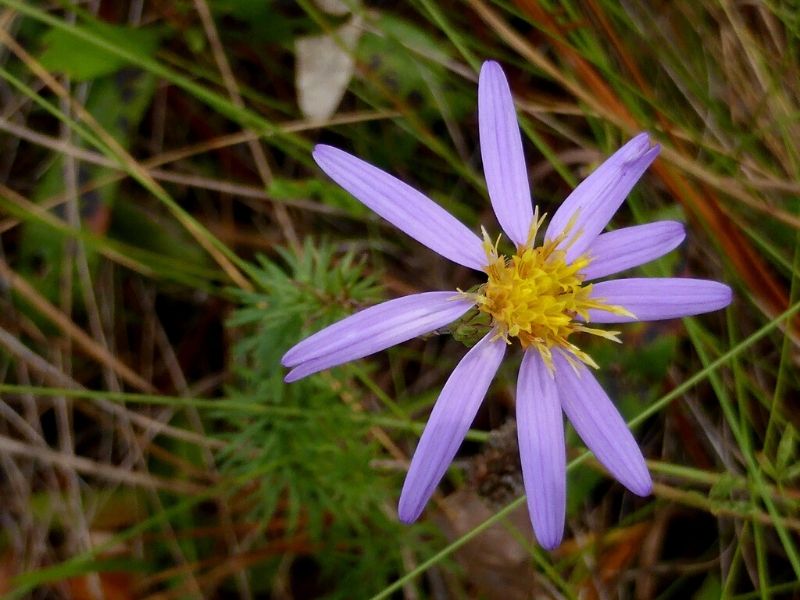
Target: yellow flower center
535,296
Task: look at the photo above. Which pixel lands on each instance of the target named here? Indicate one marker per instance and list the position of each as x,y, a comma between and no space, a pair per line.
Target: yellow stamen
535,296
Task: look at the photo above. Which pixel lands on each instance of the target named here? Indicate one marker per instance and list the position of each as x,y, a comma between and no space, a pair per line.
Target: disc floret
536,295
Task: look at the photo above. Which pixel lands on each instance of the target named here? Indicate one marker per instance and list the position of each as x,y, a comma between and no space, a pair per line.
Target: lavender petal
373,329
450,419
600,426
501,150
597,198
657,298
540,429
630,247
403,206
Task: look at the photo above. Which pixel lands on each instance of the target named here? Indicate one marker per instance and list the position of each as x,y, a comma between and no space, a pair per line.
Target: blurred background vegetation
165,237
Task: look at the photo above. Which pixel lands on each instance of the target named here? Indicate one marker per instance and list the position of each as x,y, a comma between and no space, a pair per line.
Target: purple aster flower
540,296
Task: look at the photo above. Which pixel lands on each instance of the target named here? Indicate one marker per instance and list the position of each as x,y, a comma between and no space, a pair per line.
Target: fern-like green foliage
313,485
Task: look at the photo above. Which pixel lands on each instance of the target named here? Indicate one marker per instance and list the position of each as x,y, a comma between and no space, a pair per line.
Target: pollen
535,296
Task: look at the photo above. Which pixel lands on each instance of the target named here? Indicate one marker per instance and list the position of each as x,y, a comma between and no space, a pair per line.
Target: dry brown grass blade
95,469
218,569
256,150
111,254
133,166
171,156
71,330
56,378
592,90
733,188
